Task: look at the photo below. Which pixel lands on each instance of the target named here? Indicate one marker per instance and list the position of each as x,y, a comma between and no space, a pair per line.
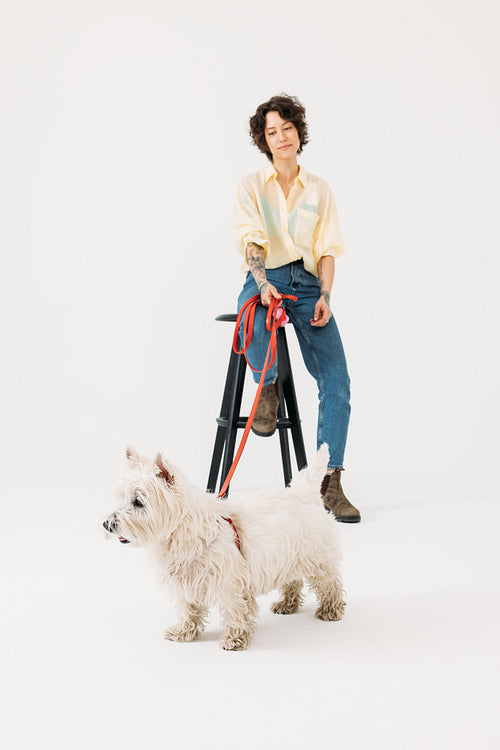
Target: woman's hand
322,312
267,292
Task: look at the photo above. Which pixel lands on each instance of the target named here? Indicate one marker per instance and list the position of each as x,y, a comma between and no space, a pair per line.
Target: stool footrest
242,422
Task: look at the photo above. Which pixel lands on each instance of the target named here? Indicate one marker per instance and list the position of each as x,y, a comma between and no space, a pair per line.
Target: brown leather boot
264,422
335,501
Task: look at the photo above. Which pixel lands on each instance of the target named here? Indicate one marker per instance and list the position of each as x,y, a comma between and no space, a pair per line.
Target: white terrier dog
219,552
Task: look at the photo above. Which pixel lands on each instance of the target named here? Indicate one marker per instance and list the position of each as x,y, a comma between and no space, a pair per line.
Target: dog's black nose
109,525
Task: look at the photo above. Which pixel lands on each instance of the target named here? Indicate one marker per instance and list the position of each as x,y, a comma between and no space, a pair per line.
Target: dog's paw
330,613
233,643
181,634
285,608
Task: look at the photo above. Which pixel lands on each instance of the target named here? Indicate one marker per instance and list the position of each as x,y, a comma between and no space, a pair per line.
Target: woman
286,228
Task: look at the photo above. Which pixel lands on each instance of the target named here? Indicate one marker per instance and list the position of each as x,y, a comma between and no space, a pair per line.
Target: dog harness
236,535
178,568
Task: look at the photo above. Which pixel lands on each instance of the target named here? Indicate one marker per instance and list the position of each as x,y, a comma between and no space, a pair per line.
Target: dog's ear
163,471
132,455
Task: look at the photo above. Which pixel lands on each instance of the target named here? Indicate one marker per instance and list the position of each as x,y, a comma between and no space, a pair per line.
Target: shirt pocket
306,224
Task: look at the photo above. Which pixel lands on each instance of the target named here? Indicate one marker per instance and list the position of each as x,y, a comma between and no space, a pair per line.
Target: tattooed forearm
326,272
256,259
320,273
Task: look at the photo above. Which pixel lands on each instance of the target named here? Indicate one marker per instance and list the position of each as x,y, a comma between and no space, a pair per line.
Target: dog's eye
137,503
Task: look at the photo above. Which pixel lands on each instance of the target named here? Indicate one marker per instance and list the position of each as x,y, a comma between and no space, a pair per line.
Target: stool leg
233,416
222,431
285,448
291,399
220,439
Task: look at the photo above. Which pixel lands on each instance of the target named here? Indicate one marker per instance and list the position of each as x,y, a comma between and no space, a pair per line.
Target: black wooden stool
229,419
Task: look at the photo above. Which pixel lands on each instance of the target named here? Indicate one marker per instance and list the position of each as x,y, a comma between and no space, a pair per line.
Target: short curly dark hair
289,109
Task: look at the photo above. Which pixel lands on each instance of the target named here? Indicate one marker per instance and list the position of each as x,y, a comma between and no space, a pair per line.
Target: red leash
274,320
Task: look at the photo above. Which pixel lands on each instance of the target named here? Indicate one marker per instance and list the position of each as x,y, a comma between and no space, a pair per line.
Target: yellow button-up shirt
304,225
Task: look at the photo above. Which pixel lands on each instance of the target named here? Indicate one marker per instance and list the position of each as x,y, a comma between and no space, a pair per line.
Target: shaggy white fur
285,537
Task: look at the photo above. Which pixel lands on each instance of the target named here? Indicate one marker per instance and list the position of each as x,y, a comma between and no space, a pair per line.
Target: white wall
122,135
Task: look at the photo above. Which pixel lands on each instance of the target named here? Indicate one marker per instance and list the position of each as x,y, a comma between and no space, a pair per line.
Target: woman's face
282,137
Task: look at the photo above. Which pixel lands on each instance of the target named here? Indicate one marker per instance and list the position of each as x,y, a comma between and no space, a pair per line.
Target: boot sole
343,519
348,519
263,434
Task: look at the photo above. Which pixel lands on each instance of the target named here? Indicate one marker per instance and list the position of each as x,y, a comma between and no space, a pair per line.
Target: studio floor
414,664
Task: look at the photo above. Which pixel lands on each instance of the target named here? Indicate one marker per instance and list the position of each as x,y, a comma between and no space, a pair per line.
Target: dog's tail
314,473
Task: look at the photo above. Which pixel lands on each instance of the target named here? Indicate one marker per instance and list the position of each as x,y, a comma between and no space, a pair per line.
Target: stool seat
230,420
227,317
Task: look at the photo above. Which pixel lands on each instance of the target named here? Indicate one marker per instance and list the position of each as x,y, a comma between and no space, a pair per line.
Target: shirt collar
303,176
270,173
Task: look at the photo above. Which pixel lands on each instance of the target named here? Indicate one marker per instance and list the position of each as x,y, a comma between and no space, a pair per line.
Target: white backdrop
123,132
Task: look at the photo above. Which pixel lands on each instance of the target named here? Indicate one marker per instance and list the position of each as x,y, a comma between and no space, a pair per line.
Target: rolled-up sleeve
248,225
328,239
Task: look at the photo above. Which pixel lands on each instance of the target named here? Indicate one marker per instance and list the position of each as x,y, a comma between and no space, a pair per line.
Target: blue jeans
321,349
